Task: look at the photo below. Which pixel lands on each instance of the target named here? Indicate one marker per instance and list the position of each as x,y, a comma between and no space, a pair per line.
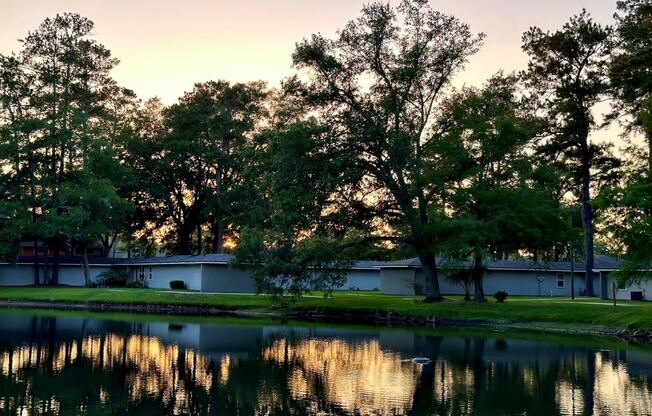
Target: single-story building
208,272
212,273
516,277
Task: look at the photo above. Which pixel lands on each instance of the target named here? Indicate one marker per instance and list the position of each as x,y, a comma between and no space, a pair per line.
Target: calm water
62,364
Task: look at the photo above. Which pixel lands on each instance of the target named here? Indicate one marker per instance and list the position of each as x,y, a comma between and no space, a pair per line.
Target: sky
165,46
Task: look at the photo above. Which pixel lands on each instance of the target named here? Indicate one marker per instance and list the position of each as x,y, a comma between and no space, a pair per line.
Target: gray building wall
360,279
222,278
159,276
397,281
515,282
23,274
530,283
74,276
16,274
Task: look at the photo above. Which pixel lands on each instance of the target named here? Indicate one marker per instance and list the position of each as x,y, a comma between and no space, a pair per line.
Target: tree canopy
366,150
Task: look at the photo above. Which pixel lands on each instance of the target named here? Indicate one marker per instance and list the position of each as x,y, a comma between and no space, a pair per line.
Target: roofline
371,268
169,263
512,269
31,263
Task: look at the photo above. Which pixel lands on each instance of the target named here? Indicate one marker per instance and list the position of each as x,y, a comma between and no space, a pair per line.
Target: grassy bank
516,310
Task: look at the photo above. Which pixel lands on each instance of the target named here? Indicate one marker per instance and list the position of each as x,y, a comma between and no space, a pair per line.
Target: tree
462,276
630,204
568,70
379,83
195,160
89,212
500,200
54,132
291,237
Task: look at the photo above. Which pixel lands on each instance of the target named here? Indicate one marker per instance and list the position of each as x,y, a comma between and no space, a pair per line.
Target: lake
82,363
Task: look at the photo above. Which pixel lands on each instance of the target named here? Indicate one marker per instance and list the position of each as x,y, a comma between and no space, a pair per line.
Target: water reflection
70,366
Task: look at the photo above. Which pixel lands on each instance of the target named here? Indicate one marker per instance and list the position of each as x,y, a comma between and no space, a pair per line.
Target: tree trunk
478,273
55,264
199,239
36,265
85,268
587,220
46,268
185,239
218,237
431,280
107,244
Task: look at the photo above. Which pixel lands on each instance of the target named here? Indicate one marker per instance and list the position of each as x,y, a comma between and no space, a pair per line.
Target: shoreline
376,317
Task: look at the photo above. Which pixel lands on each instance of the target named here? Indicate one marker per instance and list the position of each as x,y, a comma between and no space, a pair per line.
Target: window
561,281
150,273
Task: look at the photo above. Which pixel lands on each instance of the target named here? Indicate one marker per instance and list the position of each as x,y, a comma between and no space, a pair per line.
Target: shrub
177,284
500,296
117,278
139,284
112,278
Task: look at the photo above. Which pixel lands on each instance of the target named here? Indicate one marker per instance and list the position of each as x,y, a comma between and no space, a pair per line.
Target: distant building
516,277
208,272
211,273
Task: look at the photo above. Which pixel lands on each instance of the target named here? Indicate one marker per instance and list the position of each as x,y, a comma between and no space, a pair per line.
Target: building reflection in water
71,366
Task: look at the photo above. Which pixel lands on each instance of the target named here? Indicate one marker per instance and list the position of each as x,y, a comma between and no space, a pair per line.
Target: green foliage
499,199
462,276
293,249
628,205
500,296
567,72
177,285
379,84
368,152
631,66
58,107
115,278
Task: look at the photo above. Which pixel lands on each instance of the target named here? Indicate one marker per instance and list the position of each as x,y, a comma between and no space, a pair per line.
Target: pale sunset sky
166,46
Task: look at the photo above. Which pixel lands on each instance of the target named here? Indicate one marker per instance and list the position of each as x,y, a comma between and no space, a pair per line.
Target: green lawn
544,311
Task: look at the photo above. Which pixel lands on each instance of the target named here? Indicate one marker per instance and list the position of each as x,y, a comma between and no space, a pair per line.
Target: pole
613,290
572,276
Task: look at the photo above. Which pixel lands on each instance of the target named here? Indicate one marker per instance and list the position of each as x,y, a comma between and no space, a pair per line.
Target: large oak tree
379,83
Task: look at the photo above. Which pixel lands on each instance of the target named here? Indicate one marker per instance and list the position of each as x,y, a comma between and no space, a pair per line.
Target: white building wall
531,283
397,281
23,274
222,278
16,274
520,283
362,280
160,276
73,275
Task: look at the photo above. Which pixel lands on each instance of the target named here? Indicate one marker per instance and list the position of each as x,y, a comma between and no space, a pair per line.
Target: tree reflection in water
71,366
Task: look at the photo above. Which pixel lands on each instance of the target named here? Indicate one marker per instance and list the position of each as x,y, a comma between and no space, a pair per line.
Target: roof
367,264
67,260
182,259
161,260
601,263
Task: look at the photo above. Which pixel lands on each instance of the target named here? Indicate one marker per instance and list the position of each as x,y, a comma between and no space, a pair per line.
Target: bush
117,278
177,284
112,278
139,284
500,296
